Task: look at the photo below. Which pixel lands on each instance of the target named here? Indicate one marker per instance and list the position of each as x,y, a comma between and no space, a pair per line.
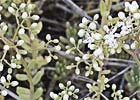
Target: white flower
81,33
61,86
2,79
13,5
53,95
11,10
114,87
77,58
88,85
4,28
1,67
6,47
24,15
97,36
121,15
21,31
92,46
4,92
48,58
30,6
77,71
85,56
57,48
35,17
126,46
133,7
14,83
85,20
34,25
72,40
96,16
112,51
92,26
18,56
96,67
126,98
13,65
106,80
20,42
1,8
66,97
22,6
48,37
98,52
81,25
68,83
55,41
136,15
9,77
72,88
106,28
127,4
133,45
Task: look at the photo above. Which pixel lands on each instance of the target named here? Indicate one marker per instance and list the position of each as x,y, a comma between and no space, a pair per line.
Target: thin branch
13,95
120,73
77,9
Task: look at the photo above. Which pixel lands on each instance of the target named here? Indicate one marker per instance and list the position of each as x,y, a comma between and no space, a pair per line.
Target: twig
136,92
63,8
13,95
120,73
41,4
77,9
83,78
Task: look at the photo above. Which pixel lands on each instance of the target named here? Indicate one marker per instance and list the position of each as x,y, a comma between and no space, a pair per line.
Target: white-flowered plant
66,92
21,51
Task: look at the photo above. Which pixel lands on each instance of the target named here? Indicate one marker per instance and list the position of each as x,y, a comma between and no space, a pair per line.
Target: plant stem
29,78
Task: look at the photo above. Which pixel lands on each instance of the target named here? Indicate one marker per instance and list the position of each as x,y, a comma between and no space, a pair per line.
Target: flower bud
72,40
20,42
48,37
35,17
14,83
121,15
4,92
24,15
61,86
21,31
22,6
114,87
11,10
81,33
1,67
6,47
92,26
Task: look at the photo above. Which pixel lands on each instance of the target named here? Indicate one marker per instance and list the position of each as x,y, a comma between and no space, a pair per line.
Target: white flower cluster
111,38
118,94
67,91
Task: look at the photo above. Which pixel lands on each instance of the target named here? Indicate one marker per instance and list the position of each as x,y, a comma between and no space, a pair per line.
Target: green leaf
103,8
21,77
37,29
37,77
38,93
23,93
25,37
64,40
